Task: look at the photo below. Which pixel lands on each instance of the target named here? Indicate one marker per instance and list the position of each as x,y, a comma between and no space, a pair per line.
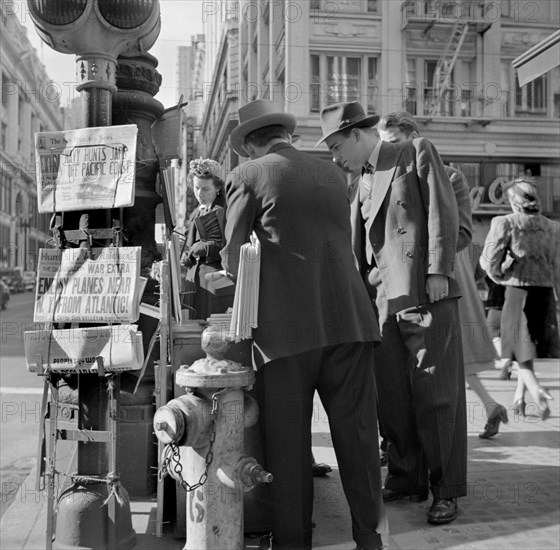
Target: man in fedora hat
409,222
315,326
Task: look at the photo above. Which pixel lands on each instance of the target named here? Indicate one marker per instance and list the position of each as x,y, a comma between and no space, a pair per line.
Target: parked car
4,294
29,280
13,278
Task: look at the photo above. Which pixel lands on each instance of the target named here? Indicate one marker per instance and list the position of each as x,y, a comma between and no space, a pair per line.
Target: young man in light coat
409,222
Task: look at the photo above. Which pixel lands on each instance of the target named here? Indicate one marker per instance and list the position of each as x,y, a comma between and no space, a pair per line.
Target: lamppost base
90,517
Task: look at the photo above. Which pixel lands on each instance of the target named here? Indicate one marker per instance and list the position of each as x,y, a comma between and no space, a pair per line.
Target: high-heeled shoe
499,414
544,398
519,407
505,373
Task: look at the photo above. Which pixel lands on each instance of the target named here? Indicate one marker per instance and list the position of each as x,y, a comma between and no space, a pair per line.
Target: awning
541,58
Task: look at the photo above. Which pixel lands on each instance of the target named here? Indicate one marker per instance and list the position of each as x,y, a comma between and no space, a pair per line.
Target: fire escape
460,16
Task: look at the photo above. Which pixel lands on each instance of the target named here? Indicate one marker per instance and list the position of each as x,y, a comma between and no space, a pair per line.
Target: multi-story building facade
190,66
447,62
30,103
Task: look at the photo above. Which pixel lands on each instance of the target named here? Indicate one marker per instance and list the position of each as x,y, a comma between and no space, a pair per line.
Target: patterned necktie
367,178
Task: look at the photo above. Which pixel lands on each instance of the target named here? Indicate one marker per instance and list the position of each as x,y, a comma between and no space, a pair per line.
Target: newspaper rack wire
244,316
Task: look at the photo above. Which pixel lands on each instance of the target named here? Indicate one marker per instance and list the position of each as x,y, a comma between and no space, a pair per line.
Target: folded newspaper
246,301
78,349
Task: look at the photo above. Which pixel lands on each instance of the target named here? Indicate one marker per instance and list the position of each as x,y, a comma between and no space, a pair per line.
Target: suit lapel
384,173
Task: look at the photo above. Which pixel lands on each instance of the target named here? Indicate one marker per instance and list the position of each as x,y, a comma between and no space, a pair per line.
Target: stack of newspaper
246,301
220,323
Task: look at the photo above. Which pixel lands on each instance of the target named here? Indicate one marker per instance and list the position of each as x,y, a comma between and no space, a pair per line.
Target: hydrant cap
169,426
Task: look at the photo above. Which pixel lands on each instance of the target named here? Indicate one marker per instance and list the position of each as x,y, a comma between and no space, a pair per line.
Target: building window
20,108
531,98
409,87
315,86
505,88
5,192
465,103
424,93
372,88
5,84
4,136
344,75
371,6
336,78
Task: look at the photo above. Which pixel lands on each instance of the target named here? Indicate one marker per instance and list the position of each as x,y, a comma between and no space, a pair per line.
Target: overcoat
411,222
298,207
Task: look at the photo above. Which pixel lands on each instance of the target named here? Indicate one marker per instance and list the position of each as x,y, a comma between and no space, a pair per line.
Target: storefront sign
86,169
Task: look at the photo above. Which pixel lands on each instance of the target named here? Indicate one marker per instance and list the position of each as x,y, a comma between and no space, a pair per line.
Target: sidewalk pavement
513,496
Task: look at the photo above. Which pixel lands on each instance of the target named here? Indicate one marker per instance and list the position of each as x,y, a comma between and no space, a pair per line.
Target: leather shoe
389,496
443,510
499,414
320,469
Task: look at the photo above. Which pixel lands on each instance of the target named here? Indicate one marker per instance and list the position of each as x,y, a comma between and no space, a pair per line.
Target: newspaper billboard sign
86,169
79,349
76,286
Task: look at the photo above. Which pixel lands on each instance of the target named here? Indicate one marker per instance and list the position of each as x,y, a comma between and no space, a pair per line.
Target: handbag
507,263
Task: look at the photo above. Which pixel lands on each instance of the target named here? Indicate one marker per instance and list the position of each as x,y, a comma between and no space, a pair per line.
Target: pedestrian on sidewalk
478,351
316,328
494,304
522,252
411,229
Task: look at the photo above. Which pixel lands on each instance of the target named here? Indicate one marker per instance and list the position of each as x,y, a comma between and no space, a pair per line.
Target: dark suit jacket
214,245
411,221
310,294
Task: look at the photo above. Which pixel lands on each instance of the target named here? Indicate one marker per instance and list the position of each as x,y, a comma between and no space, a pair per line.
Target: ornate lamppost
97,32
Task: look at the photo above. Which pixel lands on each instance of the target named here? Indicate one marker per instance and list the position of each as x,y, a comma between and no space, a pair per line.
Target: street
20,398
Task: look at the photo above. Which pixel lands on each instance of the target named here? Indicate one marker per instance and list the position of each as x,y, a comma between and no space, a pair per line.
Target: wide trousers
343,377
421,391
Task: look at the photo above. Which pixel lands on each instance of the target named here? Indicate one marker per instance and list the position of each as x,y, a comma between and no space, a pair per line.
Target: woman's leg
538,393
493,319
495,413
486,399
519,390
527,376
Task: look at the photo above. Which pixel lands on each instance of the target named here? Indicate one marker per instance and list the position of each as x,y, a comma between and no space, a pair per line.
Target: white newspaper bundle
78,349
244,316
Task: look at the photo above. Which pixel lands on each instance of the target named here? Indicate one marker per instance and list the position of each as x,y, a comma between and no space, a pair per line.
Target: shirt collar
374,157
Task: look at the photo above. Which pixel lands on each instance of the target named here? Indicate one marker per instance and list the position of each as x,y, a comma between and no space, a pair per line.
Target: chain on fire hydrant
203,431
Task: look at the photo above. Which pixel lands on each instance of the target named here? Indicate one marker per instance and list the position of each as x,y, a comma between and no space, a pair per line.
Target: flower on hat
204,168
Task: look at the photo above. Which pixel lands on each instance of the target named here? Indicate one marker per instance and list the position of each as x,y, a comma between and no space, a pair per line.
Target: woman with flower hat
204,240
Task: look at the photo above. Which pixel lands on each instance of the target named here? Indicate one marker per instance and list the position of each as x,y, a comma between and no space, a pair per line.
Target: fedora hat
256,115
341,116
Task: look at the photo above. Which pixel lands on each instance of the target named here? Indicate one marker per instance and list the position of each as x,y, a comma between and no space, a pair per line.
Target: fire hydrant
203,433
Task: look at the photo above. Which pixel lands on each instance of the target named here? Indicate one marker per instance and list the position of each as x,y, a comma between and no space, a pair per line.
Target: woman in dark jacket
522,252
204,240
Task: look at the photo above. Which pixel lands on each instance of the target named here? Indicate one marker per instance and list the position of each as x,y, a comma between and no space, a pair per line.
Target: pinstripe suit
411,229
